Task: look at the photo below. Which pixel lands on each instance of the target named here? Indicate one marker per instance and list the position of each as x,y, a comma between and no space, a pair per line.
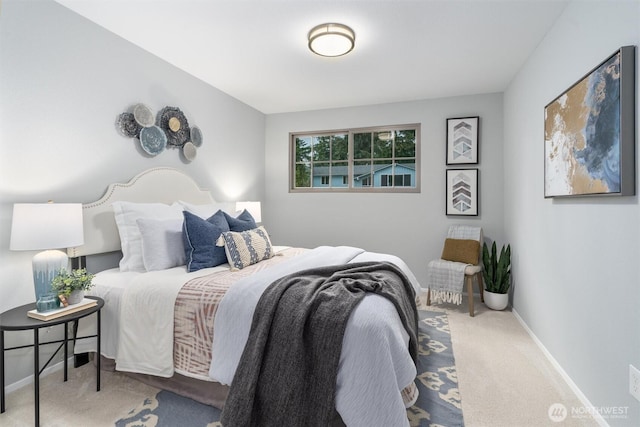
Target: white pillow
126,215
205,211
162,245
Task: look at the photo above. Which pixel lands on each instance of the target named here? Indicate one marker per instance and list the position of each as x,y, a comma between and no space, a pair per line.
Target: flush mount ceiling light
331,39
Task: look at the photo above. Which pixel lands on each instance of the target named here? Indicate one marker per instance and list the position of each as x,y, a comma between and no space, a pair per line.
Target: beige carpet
76,403
504,379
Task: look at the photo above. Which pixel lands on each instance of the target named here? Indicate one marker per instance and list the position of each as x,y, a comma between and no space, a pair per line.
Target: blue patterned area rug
437,381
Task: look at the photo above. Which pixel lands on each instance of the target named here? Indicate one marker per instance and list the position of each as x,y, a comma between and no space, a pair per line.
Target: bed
185,331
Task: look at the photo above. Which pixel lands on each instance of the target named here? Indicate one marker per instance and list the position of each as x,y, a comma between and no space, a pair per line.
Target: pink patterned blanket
195,309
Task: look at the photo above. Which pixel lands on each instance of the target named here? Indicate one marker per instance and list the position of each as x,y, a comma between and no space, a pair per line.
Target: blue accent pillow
242,222
200,236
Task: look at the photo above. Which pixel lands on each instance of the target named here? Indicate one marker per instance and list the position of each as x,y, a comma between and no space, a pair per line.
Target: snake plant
497,270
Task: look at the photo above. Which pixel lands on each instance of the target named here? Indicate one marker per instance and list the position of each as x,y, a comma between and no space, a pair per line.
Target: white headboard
156,185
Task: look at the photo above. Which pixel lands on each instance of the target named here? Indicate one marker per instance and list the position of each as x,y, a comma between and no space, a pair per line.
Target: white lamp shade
252,207
37,226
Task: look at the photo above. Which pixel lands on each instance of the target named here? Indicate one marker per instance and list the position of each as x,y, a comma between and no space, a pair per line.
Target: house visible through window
397,180
372,159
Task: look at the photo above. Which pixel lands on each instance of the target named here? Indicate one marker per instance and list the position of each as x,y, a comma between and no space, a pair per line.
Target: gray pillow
162,245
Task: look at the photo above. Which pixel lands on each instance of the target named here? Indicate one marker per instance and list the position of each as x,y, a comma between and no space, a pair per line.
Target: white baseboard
596,416
29,380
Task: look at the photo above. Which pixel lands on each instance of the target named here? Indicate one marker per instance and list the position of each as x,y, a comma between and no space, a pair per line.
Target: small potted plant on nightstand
497,276
70,287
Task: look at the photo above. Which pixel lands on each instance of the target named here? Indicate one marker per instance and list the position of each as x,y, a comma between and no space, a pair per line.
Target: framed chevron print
462,140
462,192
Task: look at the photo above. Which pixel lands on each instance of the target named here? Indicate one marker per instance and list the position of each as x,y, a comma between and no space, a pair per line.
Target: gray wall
63,82
411,226
575,267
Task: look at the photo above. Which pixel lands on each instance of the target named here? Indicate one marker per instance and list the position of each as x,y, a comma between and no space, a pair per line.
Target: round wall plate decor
143,115
153,140
128,126
189,151
196,136
175,125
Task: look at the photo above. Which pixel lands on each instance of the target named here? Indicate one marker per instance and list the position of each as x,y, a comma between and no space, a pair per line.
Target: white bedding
111,285
146,314
374,354
125,324
373,357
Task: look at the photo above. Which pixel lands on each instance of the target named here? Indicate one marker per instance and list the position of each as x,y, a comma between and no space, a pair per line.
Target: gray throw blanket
287,373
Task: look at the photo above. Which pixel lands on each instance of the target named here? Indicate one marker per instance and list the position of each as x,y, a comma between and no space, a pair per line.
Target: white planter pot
496,301
75,297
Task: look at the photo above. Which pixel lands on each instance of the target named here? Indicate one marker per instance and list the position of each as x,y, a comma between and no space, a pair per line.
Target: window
398,180
373,159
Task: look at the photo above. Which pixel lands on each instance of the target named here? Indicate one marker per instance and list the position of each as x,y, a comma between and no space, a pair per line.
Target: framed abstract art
462,140
462,192
589,132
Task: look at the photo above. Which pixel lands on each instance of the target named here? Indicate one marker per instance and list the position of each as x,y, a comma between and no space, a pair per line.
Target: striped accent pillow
246,247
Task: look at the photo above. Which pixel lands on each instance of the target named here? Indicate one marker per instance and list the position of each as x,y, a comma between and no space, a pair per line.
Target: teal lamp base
46,266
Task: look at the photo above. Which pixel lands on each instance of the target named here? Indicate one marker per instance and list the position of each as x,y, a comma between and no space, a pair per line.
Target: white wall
575,267
63,82
412,226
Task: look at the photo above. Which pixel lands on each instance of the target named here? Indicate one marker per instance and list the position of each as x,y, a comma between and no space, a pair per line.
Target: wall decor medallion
175,125
169,129
589,132
143,115
462,140
153,140
128,126
189,150
462,192
196,136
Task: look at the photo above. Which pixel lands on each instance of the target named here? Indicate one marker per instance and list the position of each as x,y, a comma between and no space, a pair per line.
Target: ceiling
256,51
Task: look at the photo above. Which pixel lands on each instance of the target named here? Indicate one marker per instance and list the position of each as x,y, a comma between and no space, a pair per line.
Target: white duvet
137,318
375,363
145,342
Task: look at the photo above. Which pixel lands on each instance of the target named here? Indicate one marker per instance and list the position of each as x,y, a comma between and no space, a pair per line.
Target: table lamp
48,227
253,208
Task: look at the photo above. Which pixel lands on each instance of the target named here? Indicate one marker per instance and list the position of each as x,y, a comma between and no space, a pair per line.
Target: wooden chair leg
429,296
481,286
469,280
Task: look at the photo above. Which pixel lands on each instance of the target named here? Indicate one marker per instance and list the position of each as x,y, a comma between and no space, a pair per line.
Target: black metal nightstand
16,319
